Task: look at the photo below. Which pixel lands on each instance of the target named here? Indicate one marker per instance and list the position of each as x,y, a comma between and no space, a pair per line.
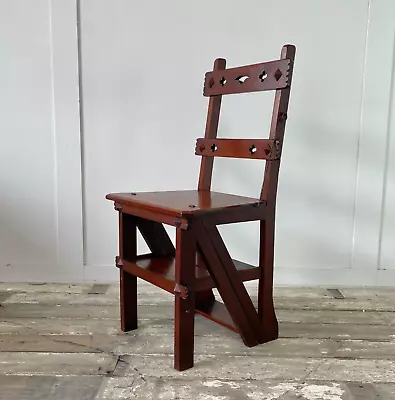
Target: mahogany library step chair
200,261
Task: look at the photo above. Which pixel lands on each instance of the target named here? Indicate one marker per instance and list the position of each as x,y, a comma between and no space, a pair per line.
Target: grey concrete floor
63,342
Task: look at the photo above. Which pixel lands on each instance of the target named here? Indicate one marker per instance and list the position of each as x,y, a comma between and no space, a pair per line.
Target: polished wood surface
183,202
200,260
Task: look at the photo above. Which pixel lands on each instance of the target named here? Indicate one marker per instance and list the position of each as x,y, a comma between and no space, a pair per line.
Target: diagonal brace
156,237
230,287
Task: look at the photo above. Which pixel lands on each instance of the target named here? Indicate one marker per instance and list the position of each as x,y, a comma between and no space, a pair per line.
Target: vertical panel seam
386,158
81,126
55,154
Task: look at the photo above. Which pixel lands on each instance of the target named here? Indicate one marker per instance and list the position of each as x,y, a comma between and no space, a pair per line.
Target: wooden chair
200,261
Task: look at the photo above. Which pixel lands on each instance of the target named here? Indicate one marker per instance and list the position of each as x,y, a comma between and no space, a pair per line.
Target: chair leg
266,310
128,282
128,300
184,316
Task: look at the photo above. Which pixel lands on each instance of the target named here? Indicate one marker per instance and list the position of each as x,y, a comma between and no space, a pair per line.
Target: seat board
184,202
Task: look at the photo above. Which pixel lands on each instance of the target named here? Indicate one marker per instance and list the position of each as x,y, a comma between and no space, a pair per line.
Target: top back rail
271,75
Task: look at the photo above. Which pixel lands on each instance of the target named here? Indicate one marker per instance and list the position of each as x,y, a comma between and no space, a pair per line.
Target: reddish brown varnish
200,260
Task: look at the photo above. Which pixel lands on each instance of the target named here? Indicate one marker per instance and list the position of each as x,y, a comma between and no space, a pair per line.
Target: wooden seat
164,206
200,261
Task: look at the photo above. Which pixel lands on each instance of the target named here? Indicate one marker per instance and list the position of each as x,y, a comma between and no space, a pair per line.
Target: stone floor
63,342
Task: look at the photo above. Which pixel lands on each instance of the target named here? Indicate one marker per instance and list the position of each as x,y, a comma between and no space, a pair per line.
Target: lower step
218,313
160,271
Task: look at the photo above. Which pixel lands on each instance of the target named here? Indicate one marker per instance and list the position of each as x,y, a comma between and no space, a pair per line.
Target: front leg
128,282
184,317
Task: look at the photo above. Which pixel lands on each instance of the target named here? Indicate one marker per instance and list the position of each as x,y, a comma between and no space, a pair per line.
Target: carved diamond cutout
278,74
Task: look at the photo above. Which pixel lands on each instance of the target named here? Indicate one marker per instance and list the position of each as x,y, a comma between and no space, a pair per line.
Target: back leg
266,310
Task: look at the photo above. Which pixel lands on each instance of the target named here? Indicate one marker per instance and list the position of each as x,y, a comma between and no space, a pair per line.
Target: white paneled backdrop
99,96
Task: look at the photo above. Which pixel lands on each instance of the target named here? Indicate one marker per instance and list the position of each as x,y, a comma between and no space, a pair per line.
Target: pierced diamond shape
278,74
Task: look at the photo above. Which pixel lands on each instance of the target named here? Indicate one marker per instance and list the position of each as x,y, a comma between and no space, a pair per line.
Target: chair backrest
273,75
